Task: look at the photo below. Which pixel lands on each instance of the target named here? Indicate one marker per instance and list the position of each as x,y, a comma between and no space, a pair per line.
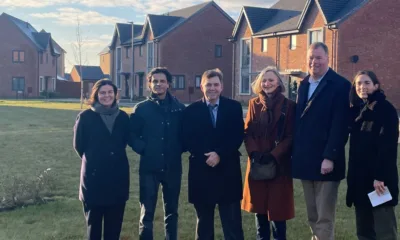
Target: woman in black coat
101,134
374,132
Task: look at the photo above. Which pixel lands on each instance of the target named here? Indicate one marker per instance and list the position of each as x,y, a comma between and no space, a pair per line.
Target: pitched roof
161,24
189,11
257,17
105,50
90,72
67,76
123,31
287,17
40,39
335,14
167,22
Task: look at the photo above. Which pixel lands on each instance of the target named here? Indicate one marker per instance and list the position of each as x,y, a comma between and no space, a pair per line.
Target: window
292,89
140,50
315,36
293,42
178,82
47,58
54,84
264,45
42,84
127,52
245,67
18,84
197,81
18,56
218,51
41,58
150,56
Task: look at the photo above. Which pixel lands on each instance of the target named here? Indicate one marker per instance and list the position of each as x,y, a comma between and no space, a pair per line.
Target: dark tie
211,108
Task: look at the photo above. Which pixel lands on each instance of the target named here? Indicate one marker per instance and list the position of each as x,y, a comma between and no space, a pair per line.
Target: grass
36,135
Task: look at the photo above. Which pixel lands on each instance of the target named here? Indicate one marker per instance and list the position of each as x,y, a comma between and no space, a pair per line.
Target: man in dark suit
213,132
320,137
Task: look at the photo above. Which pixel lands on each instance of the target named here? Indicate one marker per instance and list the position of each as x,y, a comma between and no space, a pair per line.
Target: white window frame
147,55
293,42
197,84
117,73
240,67
264,44
309,31
42,84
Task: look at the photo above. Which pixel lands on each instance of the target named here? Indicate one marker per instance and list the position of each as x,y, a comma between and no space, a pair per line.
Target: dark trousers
231,220
112,215
264,228
171,186
377,223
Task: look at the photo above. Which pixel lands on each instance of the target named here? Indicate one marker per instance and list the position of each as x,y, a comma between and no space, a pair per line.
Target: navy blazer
321,128
222,183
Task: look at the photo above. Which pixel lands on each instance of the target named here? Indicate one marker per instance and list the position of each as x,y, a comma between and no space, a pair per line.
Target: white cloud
148,6
33,3
106,37
69,16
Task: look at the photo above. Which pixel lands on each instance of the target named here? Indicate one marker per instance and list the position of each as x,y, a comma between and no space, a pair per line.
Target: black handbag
269,171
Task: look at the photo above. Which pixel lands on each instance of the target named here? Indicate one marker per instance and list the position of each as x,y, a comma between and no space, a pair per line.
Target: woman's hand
379,187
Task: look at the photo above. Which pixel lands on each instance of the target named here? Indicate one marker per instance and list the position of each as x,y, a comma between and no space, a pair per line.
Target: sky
97,19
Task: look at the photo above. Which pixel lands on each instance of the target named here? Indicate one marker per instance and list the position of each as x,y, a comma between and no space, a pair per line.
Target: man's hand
213,159
379,187
326,166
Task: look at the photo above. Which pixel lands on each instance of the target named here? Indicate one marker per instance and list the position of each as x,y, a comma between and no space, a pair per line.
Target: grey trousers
377,223
321,198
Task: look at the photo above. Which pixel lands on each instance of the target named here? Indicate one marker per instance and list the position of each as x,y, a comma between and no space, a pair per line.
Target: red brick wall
287,59
105,63
66,89
373,34
189,50
47,68
16,40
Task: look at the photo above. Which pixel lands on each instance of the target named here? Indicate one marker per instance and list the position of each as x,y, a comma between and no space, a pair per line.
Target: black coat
156,135
222,183
321,128
373,151
105,167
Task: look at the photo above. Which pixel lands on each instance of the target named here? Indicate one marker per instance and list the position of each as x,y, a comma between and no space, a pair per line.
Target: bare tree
77,50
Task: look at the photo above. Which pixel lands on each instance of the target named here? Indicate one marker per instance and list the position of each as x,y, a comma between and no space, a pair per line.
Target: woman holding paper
374,132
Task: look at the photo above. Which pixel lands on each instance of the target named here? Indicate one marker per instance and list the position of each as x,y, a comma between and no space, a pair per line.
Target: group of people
284,141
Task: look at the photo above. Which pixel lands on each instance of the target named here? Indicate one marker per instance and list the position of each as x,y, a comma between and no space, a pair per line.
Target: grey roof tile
286,18
90,72
258,17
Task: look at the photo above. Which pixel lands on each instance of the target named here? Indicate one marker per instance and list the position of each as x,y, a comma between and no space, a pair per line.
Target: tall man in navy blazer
213,131
320,137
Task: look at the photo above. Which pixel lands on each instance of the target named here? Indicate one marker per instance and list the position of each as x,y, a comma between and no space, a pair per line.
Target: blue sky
98,17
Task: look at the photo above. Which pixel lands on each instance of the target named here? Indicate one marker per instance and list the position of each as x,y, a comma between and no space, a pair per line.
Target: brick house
186,41
30,61
90,75
105,60
360,34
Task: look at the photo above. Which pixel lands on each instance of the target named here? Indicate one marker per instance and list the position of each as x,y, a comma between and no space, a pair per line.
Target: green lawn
37,135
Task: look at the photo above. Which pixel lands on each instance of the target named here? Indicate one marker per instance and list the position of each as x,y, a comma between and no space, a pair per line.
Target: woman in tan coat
270,200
